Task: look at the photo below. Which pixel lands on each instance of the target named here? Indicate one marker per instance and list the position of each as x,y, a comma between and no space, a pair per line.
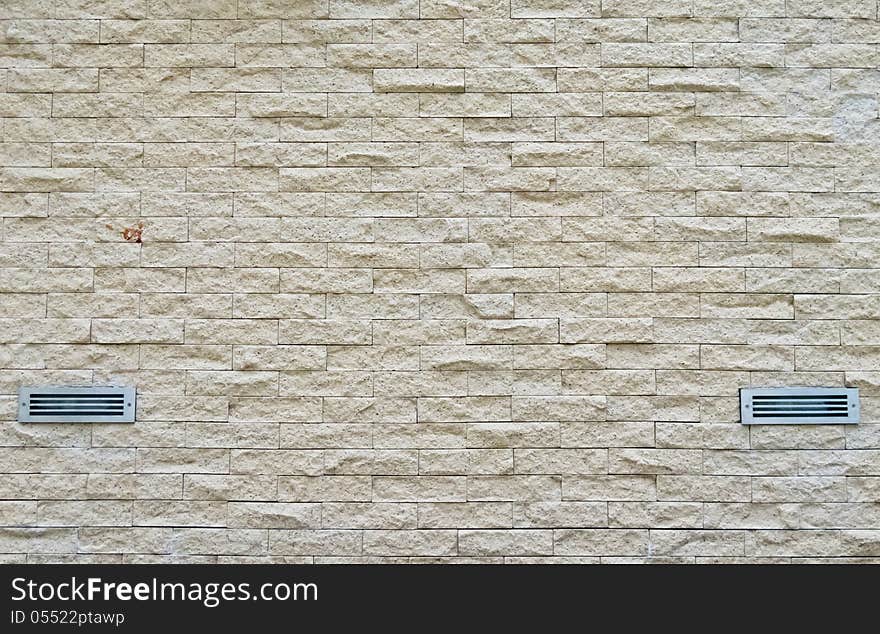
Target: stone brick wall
404,280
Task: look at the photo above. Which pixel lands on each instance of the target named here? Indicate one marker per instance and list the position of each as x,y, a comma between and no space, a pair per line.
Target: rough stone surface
404,280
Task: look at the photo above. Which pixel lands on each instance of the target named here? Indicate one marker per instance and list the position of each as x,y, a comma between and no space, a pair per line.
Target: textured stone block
609,542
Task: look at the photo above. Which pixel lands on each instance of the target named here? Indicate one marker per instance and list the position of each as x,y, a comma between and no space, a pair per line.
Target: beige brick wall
434,279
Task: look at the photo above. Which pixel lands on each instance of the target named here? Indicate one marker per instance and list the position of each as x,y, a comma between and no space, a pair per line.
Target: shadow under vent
799,405
98,404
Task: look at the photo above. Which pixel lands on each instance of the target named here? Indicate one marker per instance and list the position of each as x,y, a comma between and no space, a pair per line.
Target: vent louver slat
799,406
99,404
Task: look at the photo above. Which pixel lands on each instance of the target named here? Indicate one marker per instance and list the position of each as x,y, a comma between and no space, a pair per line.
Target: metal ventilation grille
99,404
799,405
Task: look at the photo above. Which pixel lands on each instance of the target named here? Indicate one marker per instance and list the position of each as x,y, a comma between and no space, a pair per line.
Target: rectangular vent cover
97,404
799,405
